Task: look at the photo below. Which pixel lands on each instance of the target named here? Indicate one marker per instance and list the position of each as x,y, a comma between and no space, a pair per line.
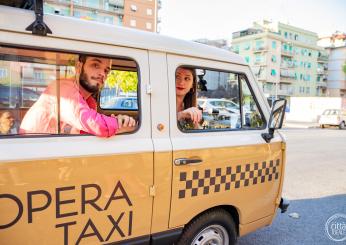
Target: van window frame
240,98
87,53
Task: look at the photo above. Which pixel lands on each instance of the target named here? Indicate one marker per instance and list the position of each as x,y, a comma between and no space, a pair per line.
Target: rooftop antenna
38,27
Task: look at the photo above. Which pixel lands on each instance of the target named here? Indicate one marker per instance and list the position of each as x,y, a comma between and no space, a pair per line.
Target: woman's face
183,81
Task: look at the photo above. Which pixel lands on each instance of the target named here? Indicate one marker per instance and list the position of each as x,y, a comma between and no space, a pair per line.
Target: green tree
127,81
344,68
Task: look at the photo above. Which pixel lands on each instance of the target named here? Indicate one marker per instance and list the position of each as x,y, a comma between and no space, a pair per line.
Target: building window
3,73
133,8
246,46
258,58
148,25
286,35
247,59
273,58
259,44
273,72
235,49
133,23
149,12
273,44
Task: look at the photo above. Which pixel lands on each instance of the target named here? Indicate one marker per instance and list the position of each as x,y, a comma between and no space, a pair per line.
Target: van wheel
213,227
342,125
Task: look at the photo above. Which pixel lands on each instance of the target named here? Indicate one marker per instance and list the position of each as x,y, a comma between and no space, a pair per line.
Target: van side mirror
276,118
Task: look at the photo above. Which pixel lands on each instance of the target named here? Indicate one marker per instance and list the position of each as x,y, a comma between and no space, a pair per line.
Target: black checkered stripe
225,179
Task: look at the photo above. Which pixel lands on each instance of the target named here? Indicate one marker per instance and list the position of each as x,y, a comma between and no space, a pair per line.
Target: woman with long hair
186,85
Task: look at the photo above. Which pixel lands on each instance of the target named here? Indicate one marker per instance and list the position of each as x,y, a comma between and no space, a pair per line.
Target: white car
223,113
333,117
219,104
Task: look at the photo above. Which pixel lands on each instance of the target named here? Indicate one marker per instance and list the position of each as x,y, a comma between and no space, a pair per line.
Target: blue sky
192,19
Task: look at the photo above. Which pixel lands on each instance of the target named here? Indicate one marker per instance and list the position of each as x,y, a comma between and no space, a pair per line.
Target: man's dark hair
82,58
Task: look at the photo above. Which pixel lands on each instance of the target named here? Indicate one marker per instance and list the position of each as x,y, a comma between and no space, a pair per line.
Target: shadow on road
309,228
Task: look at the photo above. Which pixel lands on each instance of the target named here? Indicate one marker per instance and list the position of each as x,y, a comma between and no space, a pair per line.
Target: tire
342,125
213,227
322,126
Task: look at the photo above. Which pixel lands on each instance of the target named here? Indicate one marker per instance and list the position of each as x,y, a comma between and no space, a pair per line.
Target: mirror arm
268,136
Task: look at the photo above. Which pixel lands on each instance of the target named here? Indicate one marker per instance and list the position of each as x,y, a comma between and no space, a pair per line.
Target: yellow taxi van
163,183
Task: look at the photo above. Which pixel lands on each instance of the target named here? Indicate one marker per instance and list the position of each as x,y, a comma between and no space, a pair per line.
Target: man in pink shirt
77,111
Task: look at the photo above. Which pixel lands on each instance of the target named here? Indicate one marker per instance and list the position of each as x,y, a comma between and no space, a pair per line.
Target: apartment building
336,48
284,58
140,14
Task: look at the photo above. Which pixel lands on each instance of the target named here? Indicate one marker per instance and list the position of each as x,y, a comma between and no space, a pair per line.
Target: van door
73,189
225,161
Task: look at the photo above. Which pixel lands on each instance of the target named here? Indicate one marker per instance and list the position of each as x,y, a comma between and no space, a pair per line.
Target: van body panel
246,229
161,141
227,176
57,186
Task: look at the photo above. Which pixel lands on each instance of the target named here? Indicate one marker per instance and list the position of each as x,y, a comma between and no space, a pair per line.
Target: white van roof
76,29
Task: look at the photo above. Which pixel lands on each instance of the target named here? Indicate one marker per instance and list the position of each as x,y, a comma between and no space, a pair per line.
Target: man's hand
125,123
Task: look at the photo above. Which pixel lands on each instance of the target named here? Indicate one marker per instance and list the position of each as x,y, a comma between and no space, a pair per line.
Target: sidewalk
297,124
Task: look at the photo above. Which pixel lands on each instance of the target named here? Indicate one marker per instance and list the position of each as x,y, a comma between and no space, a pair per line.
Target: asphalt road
315,183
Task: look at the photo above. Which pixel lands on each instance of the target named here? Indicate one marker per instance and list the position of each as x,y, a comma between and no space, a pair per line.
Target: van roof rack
38,27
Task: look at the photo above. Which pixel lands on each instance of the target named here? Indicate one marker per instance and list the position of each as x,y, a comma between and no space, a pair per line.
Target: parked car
122,103
220,104
226,108
333,117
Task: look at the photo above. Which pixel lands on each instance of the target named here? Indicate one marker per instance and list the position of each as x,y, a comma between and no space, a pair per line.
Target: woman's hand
191,113
125,123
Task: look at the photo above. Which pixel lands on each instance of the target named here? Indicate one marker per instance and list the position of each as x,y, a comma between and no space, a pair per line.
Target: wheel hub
212,235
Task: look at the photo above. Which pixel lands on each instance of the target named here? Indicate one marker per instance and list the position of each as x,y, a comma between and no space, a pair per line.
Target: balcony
114,6
288,80
159,4
260,49
321,84
323,58
287,65
287,53
260,63
261,78
284,92
320,71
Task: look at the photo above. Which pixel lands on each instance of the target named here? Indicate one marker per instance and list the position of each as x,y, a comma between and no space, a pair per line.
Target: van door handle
186,161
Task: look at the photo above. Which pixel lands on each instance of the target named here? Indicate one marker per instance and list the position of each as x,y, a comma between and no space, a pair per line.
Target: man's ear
79,66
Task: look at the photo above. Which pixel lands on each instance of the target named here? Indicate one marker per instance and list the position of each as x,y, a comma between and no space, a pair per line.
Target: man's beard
85,83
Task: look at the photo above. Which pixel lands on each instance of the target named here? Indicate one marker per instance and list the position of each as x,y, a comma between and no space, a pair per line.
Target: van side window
56,93
222,99
252,117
